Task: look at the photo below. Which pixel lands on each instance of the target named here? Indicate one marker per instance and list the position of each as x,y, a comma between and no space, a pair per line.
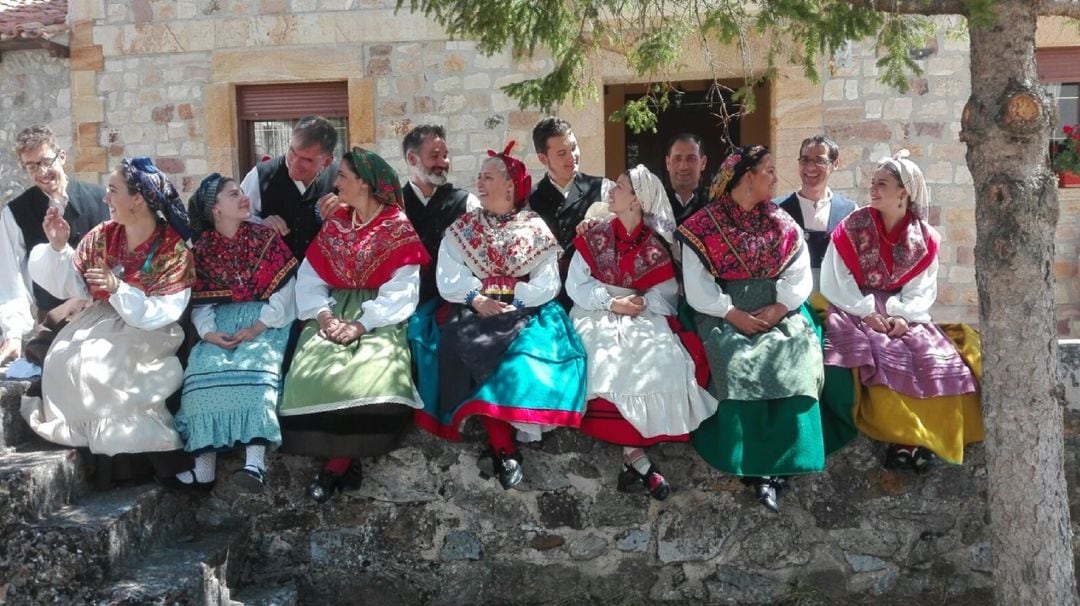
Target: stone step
195,570
13,430
66,557
267,595
37,479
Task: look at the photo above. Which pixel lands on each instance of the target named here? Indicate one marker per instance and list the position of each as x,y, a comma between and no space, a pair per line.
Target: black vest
447,203
817,242
299,210
85,210
682,213
563,214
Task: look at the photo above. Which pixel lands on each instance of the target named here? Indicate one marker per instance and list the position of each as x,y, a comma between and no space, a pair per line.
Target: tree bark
1006,125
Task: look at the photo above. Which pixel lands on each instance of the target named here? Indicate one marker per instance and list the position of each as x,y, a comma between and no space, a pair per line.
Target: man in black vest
431,202
815,207
21,229
564,195
285,191
685,163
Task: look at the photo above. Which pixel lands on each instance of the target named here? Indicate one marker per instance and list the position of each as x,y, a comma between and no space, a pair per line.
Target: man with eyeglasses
285,191
21,229
815,207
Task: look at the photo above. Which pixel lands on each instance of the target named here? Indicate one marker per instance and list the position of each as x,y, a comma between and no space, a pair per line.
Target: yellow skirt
943,424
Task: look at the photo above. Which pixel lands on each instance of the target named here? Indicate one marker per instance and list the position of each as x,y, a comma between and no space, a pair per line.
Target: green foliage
652,35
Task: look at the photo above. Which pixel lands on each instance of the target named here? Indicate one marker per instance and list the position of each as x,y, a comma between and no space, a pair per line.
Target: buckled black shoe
630,480
922,460
174,483
508,469
251,480
899,456
766,495
652,482
326,483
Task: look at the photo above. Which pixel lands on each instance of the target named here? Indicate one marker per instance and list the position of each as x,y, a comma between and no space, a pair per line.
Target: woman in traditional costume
349,392
108,373
244,306
643,384
507,351
747,274
918,383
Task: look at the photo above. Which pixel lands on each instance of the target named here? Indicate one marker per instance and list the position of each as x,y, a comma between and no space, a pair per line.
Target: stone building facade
159,77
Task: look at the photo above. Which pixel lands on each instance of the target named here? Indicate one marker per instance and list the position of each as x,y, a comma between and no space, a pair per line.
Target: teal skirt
230,396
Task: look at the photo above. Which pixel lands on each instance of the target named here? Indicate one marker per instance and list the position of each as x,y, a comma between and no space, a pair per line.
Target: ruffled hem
148,431
655,415
226,429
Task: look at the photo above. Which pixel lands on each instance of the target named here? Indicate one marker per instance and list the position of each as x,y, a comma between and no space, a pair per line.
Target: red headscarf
519,175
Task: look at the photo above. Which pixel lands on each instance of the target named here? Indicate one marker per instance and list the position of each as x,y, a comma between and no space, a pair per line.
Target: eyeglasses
44,164
816,160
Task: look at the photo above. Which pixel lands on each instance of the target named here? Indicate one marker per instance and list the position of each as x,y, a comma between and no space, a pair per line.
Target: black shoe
508,469
652,481
326,483
780,483
922,460
251,480
174,483
899,456
630,480
766,495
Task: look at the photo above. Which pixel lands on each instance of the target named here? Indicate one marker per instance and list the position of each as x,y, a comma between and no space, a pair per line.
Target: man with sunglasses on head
285,191
83,207
815,207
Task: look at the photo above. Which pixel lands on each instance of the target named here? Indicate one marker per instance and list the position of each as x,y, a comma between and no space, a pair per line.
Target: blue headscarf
160,195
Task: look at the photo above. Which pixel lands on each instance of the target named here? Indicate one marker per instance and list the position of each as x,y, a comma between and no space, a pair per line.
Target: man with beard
21,229
685,162
564,195
815,207
284,191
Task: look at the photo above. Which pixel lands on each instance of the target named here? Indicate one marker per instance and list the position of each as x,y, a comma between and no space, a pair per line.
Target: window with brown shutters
266,114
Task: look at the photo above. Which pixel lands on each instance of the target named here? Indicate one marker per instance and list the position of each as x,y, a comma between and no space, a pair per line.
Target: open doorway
693,109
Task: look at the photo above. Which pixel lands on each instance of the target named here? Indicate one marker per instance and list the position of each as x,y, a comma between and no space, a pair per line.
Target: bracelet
518,303
471,296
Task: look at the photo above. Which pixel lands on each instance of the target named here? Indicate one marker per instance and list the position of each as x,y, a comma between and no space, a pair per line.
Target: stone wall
36,88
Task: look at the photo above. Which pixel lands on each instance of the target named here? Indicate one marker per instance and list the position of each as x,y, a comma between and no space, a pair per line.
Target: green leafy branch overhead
651,36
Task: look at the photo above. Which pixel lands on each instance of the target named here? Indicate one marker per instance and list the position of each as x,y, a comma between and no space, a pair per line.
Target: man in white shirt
21,229
815,207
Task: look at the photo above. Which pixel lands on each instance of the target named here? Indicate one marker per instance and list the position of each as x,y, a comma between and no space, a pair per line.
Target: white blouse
591,294
913,303
396,301
278,311
56,273
455,280
16,319
793,286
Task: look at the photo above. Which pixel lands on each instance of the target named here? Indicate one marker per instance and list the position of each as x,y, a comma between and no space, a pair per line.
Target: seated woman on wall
109,371
642,384
507,351
244,307
919,386
349,392
747,274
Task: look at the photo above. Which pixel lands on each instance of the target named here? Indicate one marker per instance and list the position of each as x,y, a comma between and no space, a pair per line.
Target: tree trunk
1006,125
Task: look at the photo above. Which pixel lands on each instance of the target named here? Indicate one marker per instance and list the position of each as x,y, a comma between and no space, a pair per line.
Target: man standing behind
21,229
284,191
432,203
685,162
814,206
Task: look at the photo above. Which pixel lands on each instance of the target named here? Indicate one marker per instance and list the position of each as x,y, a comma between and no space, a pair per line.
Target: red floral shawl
635,260
735,244
508,245
884,261
250,266
162,265
365,257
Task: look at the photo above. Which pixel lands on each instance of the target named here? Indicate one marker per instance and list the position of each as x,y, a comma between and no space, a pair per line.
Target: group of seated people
328,322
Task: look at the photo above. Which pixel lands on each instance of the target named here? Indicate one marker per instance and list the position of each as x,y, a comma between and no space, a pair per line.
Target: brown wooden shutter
1058,64
292,101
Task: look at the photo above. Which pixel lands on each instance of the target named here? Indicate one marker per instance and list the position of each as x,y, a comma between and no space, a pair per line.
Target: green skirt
770,421
326,376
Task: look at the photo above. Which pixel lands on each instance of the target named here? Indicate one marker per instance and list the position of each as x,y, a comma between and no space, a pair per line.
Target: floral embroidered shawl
508,245
635,260
162,265
365,256
880,260
252,265
735,244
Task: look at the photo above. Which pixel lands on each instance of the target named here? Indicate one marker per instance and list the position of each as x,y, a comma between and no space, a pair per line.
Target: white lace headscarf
911,177
655,205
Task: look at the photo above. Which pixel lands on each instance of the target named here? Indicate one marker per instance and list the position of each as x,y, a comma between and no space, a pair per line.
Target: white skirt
104,385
